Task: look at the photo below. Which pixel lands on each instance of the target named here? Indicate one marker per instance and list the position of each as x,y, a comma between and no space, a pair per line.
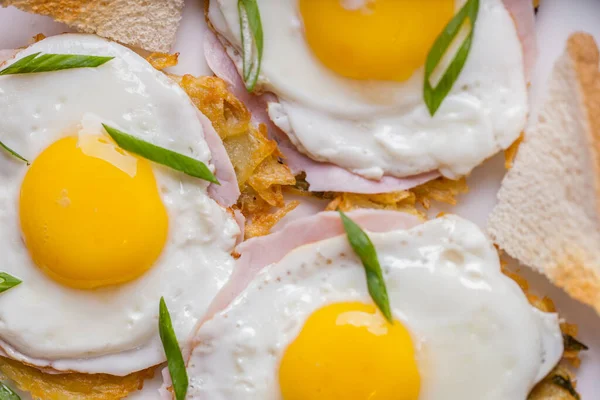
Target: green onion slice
172,351
39,62
13,153
435,96
252,41
566,384
364,249
7,393
570,343
161,155
7,282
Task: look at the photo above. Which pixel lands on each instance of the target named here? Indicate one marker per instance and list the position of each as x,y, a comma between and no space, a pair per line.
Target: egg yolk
91,214
349,351
374,39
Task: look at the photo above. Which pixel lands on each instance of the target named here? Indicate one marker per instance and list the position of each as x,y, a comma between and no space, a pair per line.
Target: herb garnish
172,351
252,41
570,343
39,62
7,282
13,153
179,162
7,393
435,96
364,249
566,384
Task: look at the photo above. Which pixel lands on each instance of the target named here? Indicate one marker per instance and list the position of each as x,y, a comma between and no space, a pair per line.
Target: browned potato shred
552,387
73,386
161,61
511,152
442,189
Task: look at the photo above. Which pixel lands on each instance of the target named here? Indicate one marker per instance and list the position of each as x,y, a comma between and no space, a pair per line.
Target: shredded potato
441,189
38,37
560,383
74,386
256,159
161,61
511,152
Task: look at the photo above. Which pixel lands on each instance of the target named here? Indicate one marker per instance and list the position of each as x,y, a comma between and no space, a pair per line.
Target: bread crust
147,24
585,56
572,272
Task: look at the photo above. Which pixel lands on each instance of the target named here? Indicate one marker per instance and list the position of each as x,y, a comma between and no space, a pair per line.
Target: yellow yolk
349,351
91,214
374,39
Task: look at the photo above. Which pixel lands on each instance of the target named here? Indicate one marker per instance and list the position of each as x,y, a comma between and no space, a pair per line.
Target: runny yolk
374,39
349,351
91,214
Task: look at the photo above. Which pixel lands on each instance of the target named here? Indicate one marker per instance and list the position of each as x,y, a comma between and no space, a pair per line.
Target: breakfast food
548,209
101,222
303,309
365,121
149,25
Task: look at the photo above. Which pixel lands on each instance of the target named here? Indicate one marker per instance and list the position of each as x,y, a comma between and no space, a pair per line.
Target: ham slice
259,252
523,14
227,193
322,177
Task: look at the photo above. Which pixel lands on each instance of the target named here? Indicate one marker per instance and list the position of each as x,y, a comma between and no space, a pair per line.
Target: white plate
557,19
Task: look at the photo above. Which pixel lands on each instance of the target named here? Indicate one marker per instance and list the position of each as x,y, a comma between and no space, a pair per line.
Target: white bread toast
548,211
148,24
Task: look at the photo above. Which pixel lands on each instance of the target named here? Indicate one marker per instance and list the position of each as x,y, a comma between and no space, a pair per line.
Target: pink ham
523,14
321,176
227,193
259,252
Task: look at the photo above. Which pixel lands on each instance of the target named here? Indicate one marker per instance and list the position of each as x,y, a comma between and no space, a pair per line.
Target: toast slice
548,211
148,24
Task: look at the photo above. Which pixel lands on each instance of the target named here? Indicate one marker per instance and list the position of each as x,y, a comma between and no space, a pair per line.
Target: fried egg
96,234
349,79
306,328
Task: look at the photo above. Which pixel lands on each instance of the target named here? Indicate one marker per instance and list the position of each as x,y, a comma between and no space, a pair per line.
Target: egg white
113,329
475,333
384,128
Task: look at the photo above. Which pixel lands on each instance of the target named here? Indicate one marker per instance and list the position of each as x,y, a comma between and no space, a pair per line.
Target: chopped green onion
364,249
172,351
39,62
570,343
435,96
566,384
161,155
7,282
7,393
13,153
252,41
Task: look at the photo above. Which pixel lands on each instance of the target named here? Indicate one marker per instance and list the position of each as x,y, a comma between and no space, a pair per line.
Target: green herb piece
161,155
252,41
573,344
7,393
13,153
364,249
172,351
435,96
39,62
566,384
7,282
